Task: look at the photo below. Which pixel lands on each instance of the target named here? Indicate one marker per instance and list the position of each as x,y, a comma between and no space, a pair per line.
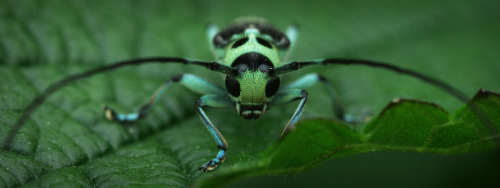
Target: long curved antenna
293,66
61,83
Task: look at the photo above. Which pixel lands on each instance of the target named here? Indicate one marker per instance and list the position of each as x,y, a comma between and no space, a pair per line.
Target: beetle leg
311,79
189,81
214,101
289,96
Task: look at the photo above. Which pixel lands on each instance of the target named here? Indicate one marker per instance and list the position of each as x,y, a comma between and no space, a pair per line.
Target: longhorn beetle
250,52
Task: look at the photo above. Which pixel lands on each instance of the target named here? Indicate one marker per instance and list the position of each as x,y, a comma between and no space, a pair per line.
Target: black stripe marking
239,42
264,43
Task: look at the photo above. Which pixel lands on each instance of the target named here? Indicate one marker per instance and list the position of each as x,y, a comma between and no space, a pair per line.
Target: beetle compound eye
264,68
272,86
242,67
233,86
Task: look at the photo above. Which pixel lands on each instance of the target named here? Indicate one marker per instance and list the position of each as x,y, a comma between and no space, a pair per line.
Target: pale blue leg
214,101
189,81
287,96
291,32
212,30
311,79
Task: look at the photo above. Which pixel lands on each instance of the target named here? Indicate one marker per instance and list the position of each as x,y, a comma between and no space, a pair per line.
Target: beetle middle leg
295,91
311,79
189,81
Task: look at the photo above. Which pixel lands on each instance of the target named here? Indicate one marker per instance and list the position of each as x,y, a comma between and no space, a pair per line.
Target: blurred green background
455,41
392,169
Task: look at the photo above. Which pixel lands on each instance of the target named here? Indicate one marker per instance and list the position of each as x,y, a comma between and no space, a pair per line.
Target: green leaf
67,142
404,125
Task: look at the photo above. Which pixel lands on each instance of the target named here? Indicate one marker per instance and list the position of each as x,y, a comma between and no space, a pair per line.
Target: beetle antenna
293,66
61,83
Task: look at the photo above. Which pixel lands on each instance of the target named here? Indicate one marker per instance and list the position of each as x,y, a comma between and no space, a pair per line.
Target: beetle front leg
213,101
289,96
